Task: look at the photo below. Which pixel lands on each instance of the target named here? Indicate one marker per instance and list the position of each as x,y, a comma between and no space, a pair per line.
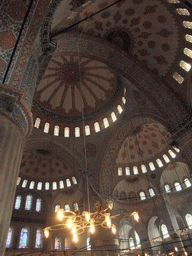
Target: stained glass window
167,188
131,243
151,166
120,171
56,130
39,238
24,184
119,108
87,130
178,78
105,122
9,238
67,208
166,158
57,243
188,52
127,171
46,185
188,38
188,218
66,132
18,180
171,153
187,24
143,168
17,202
61,184
164,231
187,182
57,206
97,127
32,184
184,65
77,132
135,170
178,186
113,116
68,182
88,244
159,162
182,11
67,243
39,186
74,180
142,195
38,205
46,127
123,100
76,207
37,122
151,192
24,238
28,202
54,185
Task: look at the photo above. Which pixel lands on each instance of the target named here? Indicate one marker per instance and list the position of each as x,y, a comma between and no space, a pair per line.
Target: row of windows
159,162
67,207
133,197
177,186
188,52
28,203
24,238
39,185
77,129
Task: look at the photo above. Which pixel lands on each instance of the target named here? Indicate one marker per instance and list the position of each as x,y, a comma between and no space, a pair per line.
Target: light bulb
69,224
46,233
186,253
114,229
110,204
87,216
74,231
108,220
176,249
60,214
75,239
92,228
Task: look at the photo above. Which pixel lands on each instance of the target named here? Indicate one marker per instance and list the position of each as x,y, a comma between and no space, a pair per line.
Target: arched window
173,1
184,65
67,208
57,243
97,127
188,218
76,207
32,184
67,243
171,153
18,180
57,206
39,239
131,243
127,171
24,184
46,127
38,205
182,11
123,100
142,195
105,122
66,132
28,202
164,231
74,180
68,182
88,244
87,130
135,170
159,162
188,52
187,24
187,182
56,130
166,158
18,203
39,186
167,188
61,184
177,186
151,192
9,238
113,116
46,185
151,166
77,132
188,38
24,238
143,168
120,171
178,78
119,109
37,122
177,149
54,185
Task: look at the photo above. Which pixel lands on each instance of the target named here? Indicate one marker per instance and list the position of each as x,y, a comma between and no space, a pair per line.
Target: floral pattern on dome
72,84
148,143
41,164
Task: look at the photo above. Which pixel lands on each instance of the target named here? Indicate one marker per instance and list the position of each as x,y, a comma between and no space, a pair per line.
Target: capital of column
13,108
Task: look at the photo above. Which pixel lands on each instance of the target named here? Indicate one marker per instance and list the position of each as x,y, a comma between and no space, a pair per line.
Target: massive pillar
15,125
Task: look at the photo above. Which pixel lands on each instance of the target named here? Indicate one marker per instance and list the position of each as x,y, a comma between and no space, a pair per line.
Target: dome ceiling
147,143
72,84
42,164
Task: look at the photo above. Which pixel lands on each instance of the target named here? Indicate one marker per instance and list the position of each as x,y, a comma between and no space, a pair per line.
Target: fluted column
11,148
